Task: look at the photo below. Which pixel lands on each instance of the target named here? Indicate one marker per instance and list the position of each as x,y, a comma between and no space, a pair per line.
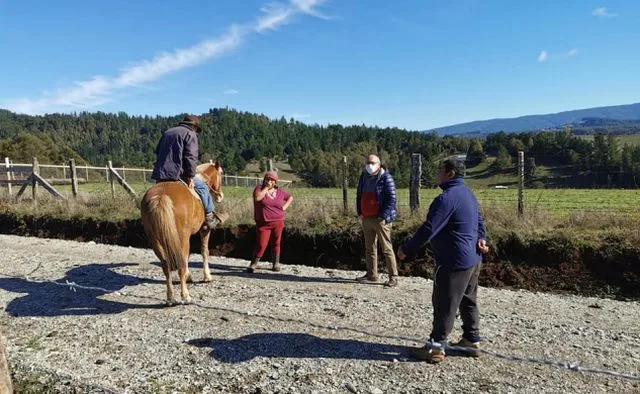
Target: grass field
631,139
322,208
561,201
323,203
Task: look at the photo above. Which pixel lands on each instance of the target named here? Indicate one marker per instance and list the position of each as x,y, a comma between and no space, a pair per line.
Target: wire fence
95,179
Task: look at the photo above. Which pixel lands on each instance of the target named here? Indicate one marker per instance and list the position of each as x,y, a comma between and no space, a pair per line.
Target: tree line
314,152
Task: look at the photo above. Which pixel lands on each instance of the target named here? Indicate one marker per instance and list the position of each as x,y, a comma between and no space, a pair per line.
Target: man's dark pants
453,289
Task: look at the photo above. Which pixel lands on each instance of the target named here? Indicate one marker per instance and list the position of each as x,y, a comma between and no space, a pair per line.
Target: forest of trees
314,152
603,160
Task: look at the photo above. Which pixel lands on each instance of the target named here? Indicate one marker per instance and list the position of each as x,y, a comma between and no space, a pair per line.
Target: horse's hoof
169,302
186,301
207,279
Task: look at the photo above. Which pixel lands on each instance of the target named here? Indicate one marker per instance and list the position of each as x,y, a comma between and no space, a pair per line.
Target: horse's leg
183,270
204,247
167,274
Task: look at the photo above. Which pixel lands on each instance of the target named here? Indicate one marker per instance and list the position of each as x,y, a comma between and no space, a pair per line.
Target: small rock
100,361
375,390
352,389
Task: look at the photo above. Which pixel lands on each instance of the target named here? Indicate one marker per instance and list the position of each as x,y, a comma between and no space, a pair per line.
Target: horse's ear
217,164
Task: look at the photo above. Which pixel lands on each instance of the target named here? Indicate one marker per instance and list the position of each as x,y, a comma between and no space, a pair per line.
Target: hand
401,255
191,183
482,246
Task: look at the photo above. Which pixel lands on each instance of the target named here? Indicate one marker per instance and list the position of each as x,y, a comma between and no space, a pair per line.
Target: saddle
192,190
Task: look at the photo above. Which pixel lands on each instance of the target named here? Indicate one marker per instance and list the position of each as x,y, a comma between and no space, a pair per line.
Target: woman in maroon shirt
269,204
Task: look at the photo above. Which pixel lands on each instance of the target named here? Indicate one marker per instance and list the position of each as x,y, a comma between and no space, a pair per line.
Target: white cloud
572,52
603,12
543,56
274,16
309,7
99,89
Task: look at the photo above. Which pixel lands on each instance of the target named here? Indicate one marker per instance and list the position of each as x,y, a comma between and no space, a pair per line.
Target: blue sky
415,64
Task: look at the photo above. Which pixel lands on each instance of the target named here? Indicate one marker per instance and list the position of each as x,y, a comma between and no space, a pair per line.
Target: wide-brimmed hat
191,121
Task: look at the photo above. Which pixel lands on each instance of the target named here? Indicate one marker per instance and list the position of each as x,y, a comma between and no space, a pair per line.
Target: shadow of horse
298,345
266,274
48,299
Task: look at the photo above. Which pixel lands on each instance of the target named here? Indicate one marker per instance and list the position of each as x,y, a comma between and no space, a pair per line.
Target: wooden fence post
74,178
345,184
7,164
270,165
111,179
117,177
86,173
414,183
34,184
520,183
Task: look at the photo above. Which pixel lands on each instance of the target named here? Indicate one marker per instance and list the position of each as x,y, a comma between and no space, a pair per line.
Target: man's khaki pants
376,229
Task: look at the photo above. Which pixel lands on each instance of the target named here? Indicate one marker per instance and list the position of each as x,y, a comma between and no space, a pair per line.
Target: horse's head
212,175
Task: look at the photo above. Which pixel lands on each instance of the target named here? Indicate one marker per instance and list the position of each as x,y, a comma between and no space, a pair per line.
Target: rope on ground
575,367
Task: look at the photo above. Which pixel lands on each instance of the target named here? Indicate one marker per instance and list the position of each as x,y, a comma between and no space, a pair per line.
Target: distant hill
542,122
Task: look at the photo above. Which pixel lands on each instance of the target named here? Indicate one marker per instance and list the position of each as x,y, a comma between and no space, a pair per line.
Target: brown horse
171,213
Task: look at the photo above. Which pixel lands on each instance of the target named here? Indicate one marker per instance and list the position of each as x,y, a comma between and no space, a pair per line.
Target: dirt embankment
609,267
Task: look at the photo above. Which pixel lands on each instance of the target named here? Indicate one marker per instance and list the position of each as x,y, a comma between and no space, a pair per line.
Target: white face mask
371,168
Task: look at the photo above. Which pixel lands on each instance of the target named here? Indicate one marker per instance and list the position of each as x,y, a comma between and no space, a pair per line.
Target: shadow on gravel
48,299
298,345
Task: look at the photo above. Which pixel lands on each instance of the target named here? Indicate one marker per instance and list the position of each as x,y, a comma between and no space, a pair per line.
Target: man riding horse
177,159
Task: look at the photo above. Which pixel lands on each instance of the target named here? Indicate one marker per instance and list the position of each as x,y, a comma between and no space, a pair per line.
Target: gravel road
302,330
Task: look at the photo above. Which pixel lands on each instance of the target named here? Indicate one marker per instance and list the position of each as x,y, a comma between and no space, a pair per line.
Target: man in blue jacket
456,230
376,206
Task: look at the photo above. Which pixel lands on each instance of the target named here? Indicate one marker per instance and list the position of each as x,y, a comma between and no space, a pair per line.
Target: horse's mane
203,170
203,167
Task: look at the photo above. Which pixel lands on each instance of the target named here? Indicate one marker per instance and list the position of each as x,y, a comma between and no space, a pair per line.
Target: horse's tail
164,231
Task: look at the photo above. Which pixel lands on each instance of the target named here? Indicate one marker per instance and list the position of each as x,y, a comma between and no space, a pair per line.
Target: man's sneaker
471,349
213,219
432,352
392,282
366,279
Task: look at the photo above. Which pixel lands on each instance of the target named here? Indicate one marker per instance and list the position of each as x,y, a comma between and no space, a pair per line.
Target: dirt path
301,330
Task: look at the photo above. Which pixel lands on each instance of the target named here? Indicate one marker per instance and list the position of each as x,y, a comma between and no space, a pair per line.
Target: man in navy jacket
376,206
177,159
455,228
